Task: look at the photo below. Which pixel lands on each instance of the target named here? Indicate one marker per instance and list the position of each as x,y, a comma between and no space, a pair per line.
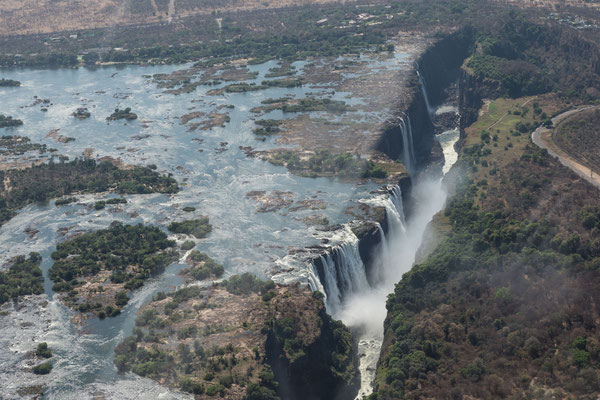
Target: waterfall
410,140
343,272
331,286
407,151
424,91
395,211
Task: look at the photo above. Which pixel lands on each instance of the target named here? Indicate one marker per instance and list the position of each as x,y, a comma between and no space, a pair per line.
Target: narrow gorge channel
355,293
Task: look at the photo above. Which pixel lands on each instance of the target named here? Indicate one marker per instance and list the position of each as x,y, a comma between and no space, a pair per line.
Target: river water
365,310
215,175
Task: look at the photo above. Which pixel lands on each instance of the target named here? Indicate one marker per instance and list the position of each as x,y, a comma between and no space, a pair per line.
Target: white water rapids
360,306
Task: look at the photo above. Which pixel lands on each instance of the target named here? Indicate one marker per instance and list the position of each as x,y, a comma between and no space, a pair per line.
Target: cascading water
408,156
430,109
364,309
343,272
411,144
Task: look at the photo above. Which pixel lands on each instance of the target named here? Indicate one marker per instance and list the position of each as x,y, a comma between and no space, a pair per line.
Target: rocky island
6,121
125,114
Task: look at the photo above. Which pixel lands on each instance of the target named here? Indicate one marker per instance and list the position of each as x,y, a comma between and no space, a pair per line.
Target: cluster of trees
518,77
9,83
247,283
45,181
326,163
267,127
317,104
17,145
203,266
199,228
529,58
6,121
54,59
122,114
23,277
133,253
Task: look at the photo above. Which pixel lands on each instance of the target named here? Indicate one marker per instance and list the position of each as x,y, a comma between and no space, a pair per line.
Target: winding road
542,137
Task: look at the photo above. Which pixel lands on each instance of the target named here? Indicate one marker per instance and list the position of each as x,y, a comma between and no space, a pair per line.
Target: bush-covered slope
506,306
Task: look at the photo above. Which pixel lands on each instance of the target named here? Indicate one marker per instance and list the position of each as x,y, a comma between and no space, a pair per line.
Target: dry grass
46,16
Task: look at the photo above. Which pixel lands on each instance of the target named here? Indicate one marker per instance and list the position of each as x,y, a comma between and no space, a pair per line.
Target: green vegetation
189,209
43,350
23,277
187,245
476,318
122,114
65,201
42,369
131,254
247,283
8,121
267,127
528,58
45,181
326,163
519,78
116,200
289,105
284,83
285,70
316,104
9,83
203,266
99,205
265,389
18,145
199,228
244,87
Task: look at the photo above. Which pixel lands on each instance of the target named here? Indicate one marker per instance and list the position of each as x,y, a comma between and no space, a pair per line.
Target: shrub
42,369
43,350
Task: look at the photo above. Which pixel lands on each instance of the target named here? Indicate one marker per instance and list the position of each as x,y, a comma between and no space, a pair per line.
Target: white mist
365,311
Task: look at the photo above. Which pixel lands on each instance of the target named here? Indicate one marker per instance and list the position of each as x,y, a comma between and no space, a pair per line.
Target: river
215,175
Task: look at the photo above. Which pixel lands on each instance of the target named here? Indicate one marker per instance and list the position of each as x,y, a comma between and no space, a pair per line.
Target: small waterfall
331,286
407,151
395,211
410,140
424,90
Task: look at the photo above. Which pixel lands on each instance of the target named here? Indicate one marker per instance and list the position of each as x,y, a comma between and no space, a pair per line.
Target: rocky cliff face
312,356
392,140
472,91
440,64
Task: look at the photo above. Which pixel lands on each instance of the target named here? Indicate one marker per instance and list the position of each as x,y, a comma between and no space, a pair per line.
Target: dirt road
542,137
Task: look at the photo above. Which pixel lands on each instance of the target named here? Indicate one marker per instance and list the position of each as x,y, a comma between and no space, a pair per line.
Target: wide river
215,175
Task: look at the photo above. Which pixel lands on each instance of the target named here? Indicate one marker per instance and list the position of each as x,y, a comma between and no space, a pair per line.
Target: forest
45,181
22,277
503,306
131,253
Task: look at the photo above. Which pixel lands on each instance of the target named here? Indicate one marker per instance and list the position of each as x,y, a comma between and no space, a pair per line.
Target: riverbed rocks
230,338
81,113
271,201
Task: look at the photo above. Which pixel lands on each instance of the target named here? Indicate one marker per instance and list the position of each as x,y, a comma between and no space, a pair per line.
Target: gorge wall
409,137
